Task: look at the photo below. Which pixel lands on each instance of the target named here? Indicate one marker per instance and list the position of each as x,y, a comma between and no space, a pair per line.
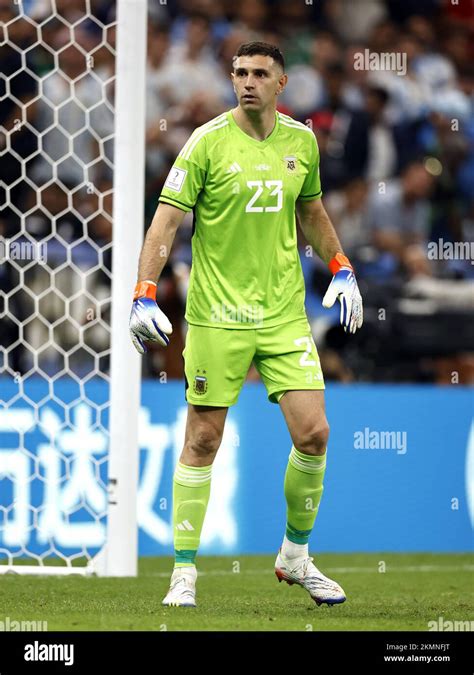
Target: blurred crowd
397,166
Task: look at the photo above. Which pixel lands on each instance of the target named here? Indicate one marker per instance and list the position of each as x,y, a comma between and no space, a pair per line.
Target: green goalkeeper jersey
246,270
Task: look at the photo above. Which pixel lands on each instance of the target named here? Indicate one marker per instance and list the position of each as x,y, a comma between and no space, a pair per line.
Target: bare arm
158,241
318,229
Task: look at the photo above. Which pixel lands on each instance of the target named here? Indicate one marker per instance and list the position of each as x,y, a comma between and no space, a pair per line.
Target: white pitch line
340,570
407,568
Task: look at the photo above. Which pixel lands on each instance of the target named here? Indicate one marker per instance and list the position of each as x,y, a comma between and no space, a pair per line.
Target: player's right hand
147,321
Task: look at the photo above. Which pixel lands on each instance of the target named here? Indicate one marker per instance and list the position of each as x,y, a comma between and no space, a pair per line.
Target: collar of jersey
254,141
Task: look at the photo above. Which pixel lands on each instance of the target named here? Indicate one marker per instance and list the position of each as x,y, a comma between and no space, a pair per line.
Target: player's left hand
344,287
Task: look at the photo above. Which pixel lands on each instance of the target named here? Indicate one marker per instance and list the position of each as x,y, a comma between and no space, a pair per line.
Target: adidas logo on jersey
185,525
234,168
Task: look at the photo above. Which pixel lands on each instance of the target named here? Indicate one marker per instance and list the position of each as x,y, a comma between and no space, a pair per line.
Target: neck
258,124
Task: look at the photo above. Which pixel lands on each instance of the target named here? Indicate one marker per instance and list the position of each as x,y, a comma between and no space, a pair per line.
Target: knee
204,441
313,441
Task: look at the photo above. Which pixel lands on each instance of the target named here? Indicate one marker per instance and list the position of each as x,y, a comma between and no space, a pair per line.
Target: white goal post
69,376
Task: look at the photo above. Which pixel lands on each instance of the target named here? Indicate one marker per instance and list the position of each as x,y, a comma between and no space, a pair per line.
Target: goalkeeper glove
344,287
147,321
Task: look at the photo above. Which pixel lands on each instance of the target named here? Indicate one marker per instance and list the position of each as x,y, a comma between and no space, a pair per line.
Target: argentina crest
290,163
200,384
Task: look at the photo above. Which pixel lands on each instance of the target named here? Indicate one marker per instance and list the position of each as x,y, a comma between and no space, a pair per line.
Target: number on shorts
307,343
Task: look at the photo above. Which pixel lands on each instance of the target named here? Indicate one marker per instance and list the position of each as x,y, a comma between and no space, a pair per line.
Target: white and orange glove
344,287
147,321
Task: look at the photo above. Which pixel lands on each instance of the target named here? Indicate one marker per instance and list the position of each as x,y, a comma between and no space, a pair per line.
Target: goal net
71,148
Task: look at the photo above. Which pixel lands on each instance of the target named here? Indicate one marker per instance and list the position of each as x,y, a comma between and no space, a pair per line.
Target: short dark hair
380,93
263,48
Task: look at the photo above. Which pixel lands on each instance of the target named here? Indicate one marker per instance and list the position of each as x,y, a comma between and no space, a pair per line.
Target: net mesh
56,170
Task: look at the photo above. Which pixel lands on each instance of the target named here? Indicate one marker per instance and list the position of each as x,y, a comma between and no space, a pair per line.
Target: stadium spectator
398,211
382,151
346,147
397,149
348,211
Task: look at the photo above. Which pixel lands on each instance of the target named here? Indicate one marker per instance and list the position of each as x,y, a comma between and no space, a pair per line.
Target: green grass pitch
242,593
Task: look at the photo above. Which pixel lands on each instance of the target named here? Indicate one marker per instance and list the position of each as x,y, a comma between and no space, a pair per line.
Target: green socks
191,490
303,490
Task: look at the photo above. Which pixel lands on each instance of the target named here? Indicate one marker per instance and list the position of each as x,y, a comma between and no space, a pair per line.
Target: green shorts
217,360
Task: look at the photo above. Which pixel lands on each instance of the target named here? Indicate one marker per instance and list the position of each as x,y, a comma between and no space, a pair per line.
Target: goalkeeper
245,174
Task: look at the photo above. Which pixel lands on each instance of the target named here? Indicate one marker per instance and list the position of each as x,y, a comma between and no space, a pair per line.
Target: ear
282,83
